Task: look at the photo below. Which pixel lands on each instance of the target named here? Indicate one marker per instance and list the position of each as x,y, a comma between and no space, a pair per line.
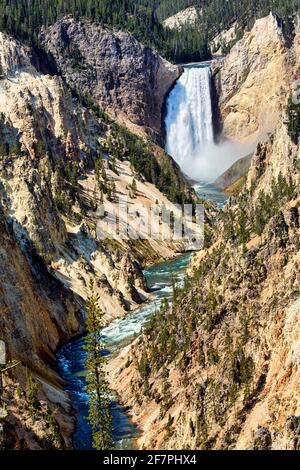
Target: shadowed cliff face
126,79
37,312
37,315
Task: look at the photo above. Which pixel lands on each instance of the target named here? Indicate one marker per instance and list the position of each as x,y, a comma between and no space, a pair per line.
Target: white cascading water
189,128
189,121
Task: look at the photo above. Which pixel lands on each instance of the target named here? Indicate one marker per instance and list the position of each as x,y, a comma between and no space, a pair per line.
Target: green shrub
32,393
293,124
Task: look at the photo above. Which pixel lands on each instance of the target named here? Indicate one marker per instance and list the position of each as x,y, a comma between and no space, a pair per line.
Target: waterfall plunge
189,127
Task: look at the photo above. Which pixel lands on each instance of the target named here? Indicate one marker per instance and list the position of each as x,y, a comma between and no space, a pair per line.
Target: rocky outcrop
187,17
126,79
40,112
224,40
277,157
254,81
28,204
237,171
220,368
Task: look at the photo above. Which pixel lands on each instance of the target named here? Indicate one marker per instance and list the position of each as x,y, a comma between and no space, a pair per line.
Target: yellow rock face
255,81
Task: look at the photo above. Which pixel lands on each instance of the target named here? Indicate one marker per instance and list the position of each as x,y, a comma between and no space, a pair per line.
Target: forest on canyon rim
144,18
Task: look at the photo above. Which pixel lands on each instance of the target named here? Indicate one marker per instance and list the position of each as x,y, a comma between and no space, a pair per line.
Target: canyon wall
254,81
127,80
60,163
219,369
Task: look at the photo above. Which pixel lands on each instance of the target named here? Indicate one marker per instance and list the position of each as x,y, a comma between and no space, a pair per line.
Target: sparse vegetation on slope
150,162
210,359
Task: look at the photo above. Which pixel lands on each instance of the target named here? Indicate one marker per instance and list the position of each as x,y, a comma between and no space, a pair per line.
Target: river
71,358
120,332
189,131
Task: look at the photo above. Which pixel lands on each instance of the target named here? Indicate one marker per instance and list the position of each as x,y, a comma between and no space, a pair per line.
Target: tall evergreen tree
99,401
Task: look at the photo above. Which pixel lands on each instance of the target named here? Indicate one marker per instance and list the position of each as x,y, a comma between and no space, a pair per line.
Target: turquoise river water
71,358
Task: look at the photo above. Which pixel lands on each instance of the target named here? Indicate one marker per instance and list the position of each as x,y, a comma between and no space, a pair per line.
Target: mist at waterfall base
189,128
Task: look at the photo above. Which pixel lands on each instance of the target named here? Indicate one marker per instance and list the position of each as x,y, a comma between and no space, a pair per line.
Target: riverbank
119,334
117,337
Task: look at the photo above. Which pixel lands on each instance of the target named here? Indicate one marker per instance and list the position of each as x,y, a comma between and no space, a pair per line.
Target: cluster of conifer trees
24,19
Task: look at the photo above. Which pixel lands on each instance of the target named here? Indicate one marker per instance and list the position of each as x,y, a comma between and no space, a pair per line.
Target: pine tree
133,189
99,402
111,191
31,393
98,170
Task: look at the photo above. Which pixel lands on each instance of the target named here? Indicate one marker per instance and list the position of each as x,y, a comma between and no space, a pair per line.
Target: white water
189,125
72,357
189,128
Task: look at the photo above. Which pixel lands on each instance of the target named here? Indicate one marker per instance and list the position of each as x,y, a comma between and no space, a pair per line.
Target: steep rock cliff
126,79
43,101
235,175
38,314
254,79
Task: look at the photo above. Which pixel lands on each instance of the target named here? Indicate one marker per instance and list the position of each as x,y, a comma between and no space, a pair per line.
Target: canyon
218,369
218,366
50,142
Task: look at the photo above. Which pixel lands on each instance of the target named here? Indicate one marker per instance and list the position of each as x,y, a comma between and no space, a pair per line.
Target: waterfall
189,128
189,122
